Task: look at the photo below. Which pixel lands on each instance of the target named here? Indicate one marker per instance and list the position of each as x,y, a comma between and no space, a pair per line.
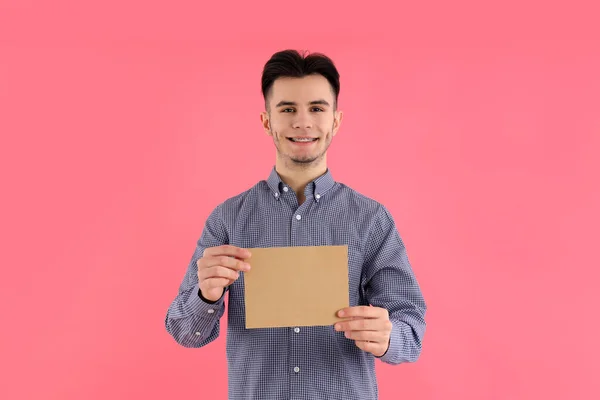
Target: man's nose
302,120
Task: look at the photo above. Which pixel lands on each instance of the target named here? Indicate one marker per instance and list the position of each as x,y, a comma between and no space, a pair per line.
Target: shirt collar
317,188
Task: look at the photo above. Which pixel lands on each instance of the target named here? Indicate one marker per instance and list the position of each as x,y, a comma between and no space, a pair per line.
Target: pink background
124,123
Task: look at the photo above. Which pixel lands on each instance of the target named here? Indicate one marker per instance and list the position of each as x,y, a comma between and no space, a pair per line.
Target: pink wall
124,124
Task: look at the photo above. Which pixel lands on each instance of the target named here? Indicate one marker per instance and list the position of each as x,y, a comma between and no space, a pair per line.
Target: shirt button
285,189
298,217
211,311
197,333
276,194
317,196
296,369
297,330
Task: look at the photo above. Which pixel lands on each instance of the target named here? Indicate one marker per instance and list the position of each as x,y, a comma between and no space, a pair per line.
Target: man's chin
304,161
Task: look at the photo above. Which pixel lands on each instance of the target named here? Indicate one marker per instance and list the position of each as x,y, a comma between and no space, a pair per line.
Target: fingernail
341,313
247,266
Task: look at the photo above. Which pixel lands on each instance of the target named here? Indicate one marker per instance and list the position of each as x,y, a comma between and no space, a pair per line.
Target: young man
300,204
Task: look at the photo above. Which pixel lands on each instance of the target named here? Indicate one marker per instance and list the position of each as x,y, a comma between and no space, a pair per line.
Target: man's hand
218,268
369,327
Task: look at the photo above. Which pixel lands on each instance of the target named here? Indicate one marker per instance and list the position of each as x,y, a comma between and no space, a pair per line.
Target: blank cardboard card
296,286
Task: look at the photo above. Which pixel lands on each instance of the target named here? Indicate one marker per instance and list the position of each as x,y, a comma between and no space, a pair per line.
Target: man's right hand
218,268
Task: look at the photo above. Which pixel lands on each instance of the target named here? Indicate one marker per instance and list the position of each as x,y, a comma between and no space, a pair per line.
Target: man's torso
298,362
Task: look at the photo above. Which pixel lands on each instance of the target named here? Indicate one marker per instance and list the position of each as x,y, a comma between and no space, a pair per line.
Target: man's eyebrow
320,101
293,103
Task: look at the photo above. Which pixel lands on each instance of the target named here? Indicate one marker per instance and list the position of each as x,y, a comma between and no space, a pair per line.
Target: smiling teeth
303,140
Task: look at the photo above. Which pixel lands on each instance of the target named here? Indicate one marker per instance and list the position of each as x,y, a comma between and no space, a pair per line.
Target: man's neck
298,176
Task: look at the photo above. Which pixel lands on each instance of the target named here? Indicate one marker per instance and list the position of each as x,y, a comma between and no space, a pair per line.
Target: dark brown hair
293,64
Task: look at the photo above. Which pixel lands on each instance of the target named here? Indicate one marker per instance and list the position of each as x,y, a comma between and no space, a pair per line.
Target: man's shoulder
372,212
359,200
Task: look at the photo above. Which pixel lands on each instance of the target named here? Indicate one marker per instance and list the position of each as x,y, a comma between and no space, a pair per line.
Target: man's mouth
302,139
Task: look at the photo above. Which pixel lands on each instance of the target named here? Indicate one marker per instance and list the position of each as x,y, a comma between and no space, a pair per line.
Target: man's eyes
314,109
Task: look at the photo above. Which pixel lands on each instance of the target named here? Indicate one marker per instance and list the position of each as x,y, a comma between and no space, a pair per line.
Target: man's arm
192,320
390,283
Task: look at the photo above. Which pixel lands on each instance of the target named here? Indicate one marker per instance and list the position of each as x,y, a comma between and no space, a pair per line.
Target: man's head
301,97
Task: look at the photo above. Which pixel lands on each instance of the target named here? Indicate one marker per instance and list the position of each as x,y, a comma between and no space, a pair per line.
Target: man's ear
266,122
337,121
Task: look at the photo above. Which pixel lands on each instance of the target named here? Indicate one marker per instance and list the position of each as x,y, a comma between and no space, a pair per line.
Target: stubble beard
298,162
301,162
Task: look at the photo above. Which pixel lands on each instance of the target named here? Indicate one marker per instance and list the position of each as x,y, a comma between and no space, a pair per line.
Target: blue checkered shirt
308,362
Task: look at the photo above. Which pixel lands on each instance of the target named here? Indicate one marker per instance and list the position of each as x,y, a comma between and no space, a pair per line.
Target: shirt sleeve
191,320
389,282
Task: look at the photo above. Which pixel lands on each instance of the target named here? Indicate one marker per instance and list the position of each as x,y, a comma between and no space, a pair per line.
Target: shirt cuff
203,307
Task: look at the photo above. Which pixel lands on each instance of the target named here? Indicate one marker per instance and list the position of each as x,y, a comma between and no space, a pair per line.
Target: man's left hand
369,327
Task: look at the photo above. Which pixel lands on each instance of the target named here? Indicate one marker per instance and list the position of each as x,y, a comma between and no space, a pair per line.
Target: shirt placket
296,335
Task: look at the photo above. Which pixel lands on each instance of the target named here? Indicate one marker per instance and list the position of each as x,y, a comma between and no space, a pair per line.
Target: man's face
301,118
